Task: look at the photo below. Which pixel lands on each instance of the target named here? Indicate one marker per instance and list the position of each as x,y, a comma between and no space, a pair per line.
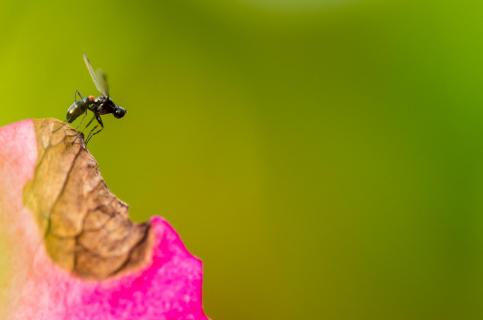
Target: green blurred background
324,158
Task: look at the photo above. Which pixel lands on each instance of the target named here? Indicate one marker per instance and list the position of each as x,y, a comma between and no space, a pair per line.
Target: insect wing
98,85
102,81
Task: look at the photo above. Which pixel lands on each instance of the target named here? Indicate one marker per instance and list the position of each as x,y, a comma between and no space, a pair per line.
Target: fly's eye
119,112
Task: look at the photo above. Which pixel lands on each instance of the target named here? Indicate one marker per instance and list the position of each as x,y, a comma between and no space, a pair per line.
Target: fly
100,105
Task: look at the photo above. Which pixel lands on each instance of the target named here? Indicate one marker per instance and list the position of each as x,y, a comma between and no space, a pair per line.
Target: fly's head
119,112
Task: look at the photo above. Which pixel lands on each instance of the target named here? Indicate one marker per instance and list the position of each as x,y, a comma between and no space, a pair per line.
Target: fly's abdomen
75,110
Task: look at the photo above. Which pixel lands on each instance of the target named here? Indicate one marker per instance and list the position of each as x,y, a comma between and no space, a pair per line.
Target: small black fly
98,105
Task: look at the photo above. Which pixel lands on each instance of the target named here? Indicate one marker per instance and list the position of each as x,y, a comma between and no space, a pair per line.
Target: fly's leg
77,93
89,136
82,120
90,121
93,132
60,127
77,135
80,134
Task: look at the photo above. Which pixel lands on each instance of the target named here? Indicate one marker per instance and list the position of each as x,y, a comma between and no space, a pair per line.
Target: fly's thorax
101,100
105,105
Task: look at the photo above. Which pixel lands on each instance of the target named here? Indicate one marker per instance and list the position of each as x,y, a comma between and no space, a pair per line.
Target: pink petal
168,287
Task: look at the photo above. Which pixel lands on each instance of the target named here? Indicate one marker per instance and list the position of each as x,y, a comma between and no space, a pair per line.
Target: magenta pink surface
168,287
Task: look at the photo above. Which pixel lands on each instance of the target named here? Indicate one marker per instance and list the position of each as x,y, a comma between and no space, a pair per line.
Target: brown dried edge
86,228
